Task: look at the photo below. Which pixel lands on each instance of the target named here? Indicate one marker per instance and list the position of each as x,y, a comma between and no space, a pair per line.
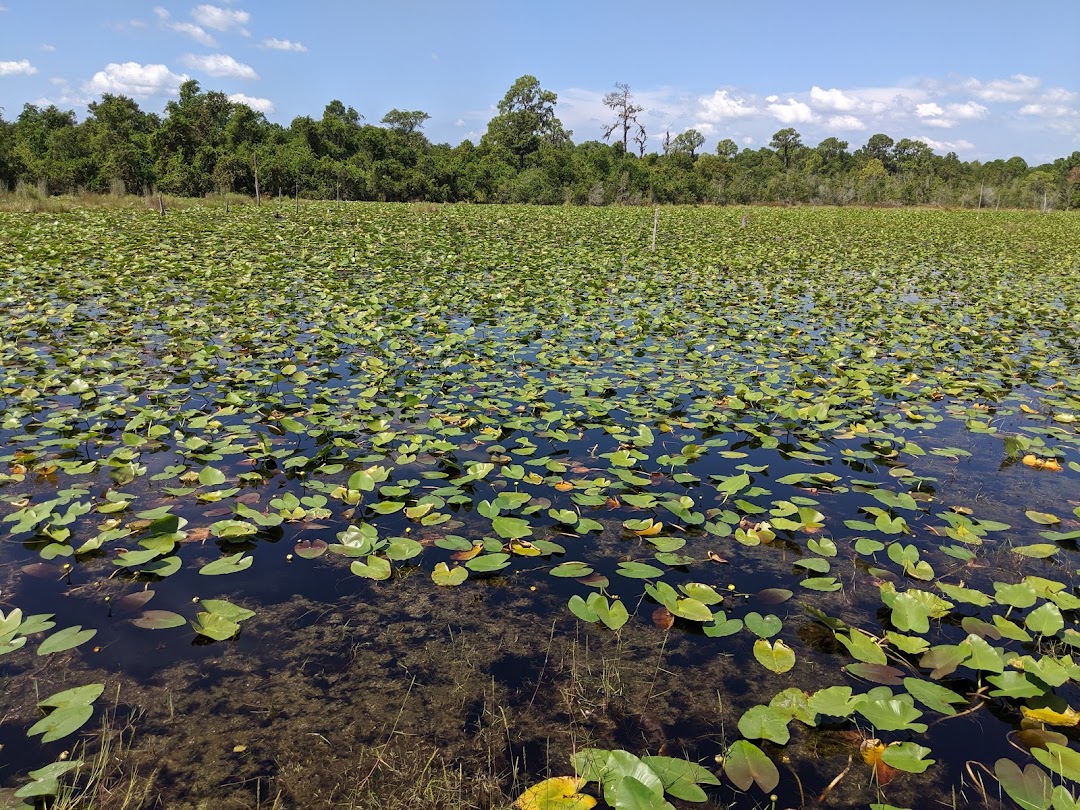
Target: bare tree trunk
161,203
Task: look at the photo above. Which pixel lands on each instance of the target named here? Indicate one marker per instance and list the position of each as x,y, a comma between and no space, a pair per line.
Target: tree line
206,144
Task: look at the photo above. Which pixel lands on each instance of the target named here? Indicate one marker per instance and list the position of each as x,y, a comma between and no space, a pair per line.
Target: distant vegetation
206,144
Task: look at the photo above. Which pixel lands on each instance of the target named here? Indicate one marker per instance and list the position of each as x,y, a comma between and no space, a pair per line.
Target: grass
30,200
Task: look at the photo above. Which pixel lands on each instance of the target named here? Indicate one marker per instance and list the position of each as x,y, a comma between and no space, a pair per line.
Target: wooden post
255,160
297,196
161,203
655,222
226,202
745,219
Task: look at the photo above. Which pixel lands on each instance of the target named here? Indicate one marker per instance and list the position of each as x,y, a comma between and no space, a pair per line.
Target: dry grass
29,200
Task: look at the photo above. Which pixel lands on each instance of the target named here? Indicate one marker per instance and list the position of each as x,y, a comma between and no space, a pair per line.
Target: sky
988,79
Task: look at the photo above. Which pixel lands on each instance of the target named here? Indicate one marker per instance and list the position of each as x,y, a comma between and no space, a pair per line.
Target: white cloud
136,80
772,99
1059,95
460,122
722,106
935,115
284,45
20,68
1049,111
1016,88
48,48
220,64
968,111
747,140
792,112
124,25
946,146
221,19
162,13
846,122
263,105
196,32
833,99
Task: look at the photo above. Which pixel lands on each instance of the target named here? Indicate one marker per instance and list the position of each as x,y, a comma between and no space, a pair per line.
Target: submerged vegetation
392,506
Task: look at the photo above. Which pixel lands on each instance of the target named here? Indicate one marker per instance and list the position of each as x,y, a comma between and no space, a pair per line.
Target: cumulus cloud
833,99
19,68
263,105
946,146
220,64
968,111
1016,88
1039,110
946,117
722,106
196,32
792,112
846,122
275,44
136,80
221,19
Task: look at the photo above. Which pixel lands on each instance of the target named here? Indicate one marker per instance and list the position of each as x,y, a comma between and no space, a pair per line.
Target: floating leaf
764,722
636,570
907,756
776,657
1067,718
1030,788
66,639
1042,518
376,568
763,626
231,564
571,569
745,764
447,577
310,549
159,620
557,793
1060,759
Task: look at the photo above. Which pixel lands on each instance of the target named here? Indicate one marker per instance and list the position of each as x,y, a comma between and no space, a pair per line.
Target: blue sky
989,79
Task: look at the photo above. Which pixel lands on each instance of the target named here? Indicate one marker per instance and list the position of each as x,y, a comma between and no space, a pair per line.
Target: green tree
834,156
50,150
688,142
526,120
190,140
787,142
405,121
118,134
879,147
7,156
727,149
